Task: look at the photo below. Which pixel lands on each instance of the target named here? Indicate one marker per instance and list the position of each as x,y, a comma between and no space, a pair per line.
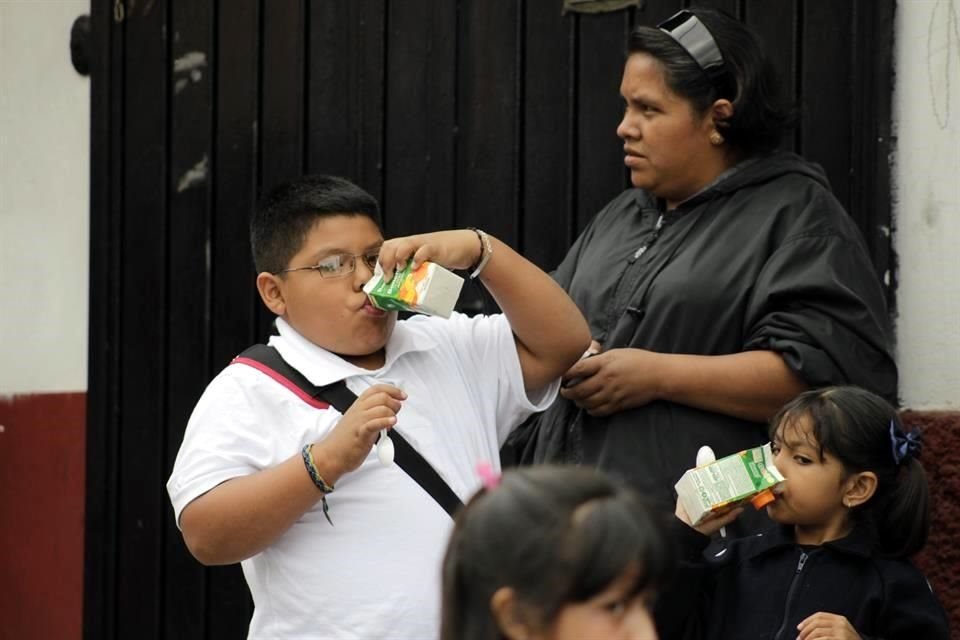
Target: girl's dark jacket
761,587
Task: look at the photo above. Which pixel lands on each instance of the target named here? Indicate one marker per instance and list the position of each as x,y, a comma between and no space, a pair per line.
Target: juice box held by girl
726,483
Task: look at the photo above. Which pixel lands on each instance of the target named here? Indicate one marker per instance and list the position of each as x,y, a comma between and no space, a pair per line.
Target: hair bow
489,477
905,445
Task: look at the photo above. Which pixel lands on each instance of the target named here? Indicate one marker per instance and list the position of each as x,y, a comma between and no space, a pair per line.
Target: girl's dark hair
750,82
853,425
555,535
284,216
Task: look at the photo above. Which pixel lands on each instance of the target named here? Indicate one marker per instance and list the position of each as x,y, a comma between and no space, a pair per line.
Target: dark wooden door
471,112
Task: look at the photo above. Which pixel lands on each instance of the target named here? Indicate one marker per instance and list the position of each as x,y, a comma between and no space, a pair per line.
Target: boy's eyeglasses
338,264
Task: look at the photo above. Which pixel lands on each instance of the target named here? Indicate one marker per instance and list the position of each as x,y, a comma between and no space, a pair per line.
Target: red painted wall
940,560
42,491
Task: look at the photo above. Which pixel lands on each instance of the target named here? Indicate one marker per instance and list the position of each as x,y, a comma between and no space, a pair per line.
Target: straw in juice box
728,482
428,289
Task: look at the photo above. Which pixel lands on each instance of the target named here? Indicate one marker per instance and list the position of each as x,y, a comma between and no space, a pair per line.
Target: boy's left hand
826,626
457,249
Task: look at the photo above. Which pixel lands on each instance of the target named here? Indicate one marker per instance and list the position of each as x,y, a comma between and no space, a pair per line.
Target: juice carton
429,289
728,482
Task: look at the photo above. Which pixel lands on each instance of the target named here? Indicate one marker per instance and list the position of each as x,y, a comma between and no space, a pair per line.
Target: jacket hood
752,171
760,169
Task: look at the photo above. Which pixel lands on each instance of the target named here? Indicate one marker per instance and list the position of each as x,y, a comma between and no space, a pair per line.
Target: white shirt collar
321,367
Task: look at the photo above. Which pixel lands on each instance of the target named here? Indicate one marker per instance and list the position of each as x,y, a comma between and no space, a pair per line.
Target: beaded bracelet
307,454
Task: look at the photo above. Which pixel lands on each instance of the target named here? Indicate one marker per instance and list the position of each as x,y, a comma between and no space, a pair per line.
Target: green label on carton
429,289
399,294
392,288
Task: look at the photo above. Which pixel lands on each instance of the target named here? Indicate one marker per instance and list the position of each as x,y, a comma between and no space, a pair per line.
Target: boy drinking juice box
429,289
722,485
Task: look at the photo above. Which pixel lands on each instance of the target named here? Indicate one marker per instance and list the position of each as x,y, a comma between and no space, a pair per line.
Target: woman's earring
716,139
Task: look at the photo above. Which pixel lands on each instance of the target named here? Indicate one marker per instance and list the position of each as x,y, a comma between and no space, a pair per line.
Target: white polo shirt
376,572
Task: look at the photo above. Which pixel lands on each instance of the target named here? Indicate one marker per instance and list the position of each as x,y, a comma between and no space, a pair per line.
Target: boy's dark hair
854,425
554,534
749,81
284,216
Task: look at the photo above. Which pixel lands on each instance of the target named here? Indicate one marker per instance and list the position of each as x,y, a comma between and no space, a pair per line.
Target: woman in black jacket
726,282
852,511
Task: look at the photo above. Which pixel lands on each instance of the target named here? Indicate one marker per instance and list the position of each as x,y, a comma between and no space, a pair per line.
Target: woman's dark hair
284,216
749,81
555,535
854,425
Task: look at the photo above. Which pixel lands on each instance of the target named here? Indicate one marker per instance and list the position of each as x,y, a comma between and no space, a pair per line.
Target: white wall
927,201
44,199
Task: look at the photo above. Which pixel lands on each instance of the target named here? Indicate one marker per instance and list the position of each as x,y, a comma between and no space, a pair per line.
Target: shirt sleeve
487,346
819,304
236,430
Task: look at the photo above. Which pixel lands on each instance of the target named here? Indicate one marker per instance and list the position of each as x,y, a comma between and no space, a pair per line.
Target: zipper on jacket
794,583
653,238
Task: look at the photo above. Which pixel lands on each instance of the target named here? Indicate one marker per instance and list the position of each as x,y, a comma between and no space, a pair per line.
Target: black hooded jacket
765,258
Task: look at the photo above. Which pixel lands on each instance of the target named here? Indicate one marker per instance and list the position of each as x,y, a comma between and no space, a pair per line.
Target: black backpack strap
417,467
341,398
268,360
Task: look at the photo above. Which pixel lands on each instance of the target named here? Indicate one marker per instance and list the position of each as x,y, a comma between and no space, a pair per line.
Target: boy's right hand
349,443
712,523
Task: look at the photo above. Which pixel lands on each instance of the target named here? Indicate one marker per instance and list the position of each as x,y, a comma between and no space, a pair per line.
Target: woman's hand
712,523
752,385
458,249
826,626
612,381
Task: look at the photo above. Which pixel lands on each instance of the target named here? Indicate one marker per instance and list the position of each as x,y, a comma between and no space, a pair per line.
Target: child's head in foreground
847,461
315,241
553,553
